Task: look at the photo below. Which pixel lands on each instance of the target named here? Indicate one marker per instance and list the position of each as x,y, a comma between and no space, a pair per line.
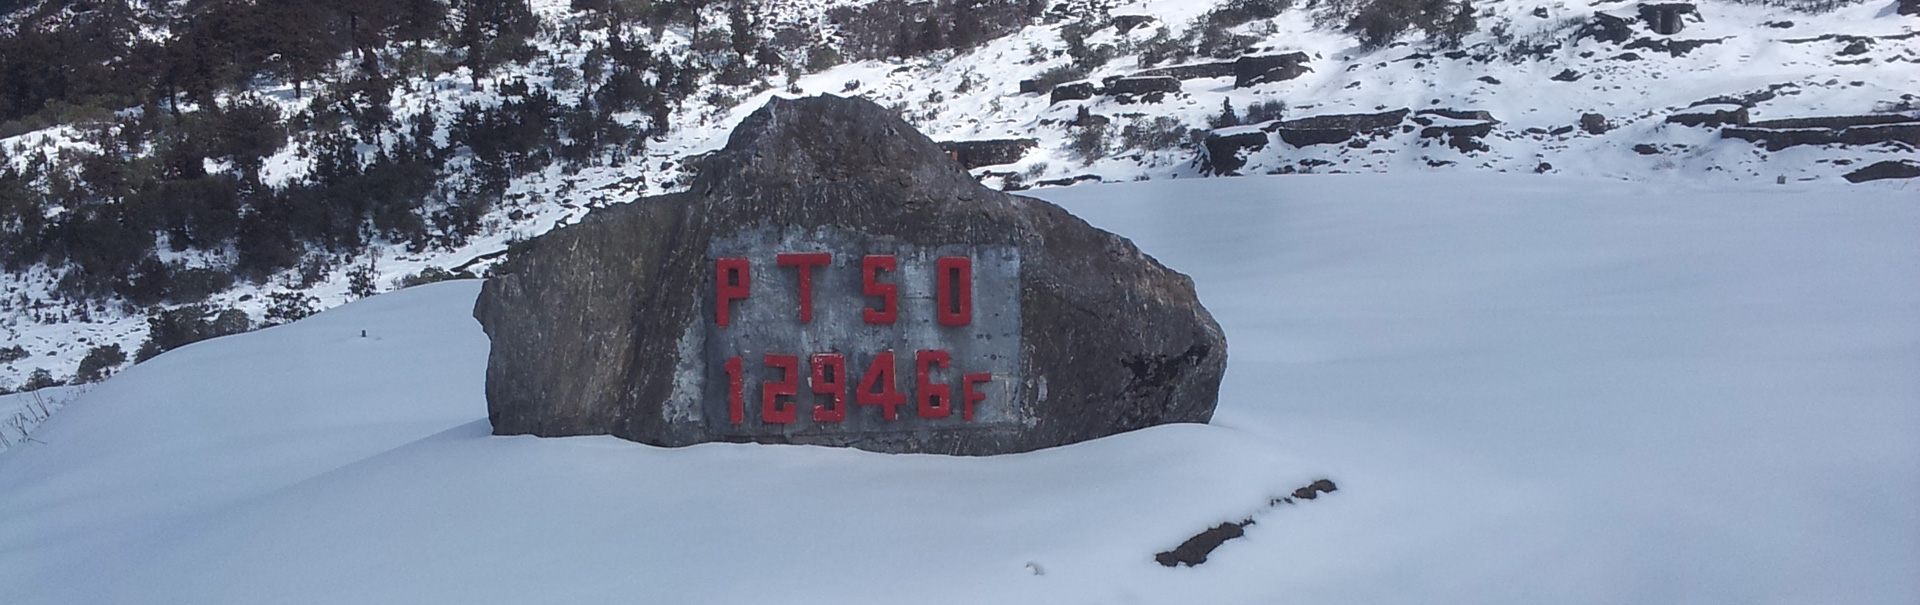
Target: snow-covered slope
1854,59
1530,389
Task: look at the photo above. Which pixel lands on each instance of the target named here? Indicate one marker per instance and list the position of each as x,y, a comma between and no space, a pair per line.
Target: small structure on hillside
1668,18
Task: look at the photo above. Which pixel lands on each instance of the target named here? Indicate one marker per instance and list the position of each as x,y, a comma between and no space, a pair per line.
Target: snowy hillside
1529,389
1585,88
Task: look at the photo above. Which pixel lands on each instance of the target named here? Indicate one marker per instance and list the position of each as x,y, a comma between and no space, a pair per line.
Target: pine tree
1227,116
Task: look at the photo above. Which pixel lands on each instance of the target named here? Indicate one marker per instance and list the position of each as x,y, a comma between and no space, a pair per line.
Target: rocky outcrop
1675,48
1220,69
1256,69
1302,137
1333,128
675,320
1148,88
1776,135
1835,122
1126,23
1073,91
1888,169
1605,28
1459,129
987,152
1710,114
1223,149
1356,122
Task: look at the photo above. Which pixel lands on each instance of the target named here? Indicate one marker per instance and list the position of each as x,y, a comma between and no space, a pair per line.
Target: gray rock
1457,114
1140,85
1464,137
1710,115
1460,129
1357,122
1605,28
1256,69
1302,137
1594,123
1222,150
987,152
1888,169
611,325
1072,91
1836,122
1218,69
1675,48
1125,23
1333,128
1776,135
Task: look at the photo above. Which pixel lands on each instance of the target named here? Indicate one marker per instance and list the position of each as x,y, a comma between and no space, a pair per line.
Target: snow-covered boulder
832,277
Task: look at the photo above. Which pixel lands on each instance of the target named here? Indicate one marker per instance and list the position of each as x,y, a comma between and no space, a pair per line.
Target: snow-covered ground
1529,389
20,413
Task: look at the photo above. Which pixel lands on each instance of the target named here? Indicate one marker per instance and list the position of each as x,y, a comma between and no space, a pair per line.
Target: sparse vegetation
99,363
1155,134
1059,75
1379,22
1089,142
1227,116
430,275
1272,109
288,307
174,328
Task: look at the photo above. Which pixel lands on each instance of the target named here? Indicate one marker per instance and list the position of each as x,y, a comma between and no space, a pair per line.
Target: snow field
1529,389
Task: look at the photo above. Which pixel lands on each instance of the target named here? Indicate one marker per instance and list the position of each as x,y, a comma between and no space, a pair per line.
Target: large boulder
1594,123
832,277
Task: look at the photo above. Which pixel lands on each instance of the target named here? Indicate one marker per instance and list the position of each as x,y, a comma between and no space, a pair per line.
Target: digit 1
953,290
871,285
770,392
736,411
830,378
880,374
927,390
968,395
